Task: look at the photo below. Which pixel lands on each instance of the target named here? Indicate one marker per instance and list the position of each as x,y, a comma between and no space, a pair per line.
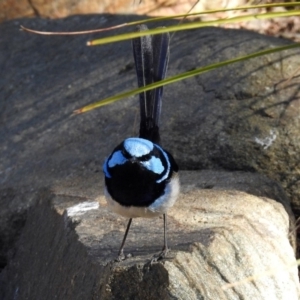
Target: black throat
133,185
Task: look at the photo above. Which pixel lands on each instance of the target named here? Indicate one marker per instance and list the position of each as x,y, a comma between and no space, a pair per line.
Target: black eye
125,153
145,157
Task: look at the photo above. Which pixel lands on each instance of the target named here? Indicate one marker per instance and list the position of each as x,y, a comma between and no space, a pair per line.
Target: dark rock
13,211
50,248
242,117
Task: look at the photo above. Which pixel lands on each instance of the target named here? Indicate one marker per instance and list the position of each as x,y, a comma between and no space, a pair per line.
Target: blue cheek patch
138,147
168,164
104,168
154,164
116,159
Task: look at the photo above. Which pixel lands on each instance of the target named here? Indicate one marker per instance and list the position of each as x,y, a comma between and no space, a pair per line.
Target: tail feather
143,57
151,55
161,53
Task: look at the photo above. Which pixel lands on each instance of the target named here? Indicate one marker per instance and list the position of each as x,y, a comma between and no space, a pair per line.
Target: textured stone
218,236
14,205
228,119
11,9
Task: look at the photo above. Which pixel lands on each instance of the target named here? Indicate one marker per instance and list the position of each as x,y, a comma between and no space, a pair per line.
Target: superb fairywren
141,177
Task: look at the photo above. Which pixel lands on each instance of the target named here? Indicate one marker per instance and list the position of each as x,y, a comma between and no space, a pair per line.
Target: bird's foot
122,256
160,256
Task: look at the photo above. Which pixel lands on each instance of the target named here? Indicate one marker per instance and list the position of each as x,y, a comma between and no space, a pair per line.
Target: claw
122,256
160,256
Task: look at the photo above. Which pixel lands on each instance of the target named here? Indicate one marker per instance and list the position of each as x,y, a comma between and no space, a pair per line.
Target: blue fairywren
141,177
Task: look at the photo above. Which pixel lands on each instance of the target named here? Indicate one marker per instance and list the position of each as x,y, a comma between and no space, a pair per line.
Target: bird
141,177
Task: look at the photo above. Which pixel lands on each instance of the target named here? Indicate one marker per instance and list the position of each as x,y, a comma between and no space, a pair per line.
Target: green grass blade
181,76
158,19
192,25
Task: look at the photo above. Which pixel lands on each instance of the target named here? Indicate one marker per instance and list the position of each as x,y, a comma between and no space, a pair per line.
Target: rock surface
243,117
219,235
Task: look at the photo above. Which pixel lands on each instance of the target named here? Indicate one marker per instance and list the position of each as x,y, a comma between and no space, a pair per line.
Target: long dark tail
151,56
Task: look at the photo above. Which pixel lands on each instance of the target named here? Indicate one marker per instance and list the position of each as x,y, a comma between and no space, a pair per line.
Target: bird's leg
165,248
121,255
